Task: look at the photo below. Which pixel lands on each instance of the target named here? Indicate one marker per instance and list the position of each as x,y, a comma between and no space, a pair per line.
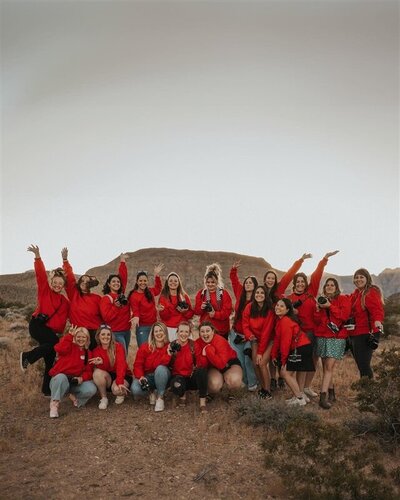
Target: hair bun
214,268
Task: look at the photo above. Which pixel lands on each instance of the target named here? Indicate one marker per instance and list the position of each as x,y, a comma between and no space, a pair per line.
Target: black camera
174,347
294,357
322,300
248,352
42,317
372,341
333,327
93,281
239,339
144,384
350,324
208,307
73,380
121,299
183,304
297,304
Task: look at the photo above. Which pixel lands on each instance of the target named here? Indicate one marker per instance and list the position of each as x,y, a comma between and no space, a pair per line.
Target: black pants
362,354
47,339
197,381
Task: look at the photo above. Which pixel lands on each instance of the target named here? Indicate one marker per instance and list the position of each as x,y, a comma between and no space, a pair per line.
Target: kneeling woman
151,367
214,352
72,372
295,348
110,367
186,375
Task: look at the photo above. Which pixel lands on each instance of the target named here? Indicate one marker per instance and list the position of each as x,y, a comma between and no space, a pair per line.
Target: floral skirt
330,348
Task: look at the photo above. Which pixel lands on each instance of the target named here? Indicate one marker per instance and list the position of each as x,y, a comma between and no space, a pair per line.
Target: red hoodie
146,360
143,309
117,317
288,336
262,328
373,306
338,313
307,308
218,352
119,367
71,359
170,315
237,290
183,362
85,307
223,310
54,304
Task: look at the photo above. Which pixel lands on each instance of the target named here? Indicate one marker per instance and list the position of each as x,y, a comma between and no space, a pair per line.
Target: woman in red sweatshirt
114,306
143,304
368,313
294,349
174,304
84,305
110,368
214,352
150,368
213,303
331,313
186,375
258,323
49,318
303,298
72,373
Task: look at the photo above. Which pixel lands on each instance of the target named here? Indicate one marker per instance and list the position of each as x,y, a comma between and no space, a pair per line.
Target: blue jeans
249,376
59,387
123,338
142,334
158,381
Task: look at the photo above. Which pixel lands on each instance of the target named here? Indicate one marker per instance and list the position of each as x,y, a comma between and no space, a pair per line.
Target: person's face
159,335
105,337
330,288
211,284
281,309
249,285
115,284
183,334
57,284
360,281
142,282
173,283
300,285
84,284
206,333
81,339
259,295
270,280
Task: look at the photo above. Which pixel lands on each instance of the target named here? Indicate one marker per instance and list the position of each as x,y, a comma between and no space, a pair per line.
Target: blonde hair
84,330
58,273
214,271
111,346
152,341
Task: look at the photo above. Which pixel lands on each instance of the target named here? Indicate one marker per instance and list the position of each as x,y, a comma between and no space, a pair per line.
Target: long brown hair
152,340
363,272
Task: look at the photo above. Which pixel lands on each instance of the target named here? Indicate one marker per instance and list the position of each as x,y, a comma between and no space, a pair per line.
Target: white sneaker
54,409
119,400
306,398
152,398
297,402
309,392
159,405
287,401
103,404
252,388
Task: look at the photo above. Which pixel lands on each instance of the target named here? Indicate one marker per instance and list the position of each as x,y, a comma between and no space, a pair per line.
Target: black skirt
305,363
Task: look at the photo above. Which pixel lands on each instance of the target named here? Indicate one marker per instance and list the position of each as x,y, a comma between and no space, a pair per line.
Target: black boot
331,395
323,402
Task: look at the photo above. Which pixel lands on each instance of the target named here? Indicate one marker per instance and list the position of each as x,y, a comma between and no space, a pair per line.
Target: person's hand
35,250
72,330
236,264
123,257
211,313
379,325
258,359
135,321
64,253
275,362
123,390
306,256
79,380
160,307
158,269
203,352
95,361
330,254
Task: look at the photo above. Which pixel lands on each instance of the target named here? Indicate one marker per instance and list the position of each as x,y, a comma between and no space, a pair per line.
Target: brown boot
323,401
331,395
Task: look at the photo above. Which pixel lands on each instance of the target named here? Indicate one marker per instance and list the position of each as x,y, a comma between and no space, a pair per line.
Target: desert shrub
396,475
391,323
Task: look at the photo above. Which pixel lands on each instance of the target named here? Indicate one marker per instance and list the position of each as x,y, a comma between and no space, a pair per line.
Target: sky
267,128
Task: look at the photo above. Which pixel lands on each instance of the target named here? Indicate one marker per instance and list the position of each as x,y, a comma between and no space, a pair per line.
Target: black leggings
197,381
362,353
47,339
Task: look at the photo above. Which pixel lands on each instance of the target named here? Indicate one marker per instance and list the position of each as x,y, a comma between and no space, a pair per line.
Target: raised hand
64,253
306,256
330,254
72,330
158,269
35,250
236,264
123,257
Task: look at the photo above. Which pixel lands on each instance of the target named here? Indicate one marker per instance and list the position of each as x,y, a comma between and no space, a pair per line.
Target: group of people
273,342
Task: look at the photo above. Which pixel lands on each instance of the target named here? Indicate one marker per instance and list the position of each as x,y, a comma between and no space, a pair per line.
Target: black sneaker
263,394
281,383
274,384
23,362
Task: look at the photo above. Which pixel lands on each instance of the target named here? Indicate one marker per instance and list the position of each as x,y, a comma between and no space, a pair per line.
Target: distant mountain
189,264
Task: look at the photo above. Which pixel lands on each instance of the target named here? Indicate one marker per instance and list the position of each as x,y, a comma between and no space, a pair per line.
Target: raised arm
288,276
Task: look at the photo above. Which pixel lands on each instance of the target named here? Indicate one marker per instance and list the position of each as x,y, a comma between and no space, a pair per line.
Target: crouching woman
72,373
214,352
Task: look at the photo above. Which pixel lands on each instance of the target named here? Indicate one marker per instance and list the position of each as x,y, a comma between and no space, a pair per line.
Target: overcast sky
264,128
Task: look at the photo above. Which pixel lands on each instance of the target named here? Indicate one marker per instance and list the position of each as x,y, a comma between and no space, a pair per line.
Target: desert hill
189,264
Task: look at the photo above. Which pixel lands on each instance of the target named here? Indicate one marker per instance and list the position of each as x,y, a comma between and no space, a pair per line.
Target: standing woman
213,303
114,306
143,305
243,293
258,322
303,298
174,305
110,368
151,367
49,318
295,350
368,312
332,311
84,306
